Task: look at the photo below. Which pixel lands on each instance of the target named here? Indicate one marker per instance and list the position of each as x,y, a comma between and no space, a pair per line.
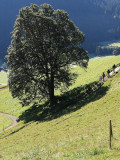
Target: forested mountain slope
112,6
98,19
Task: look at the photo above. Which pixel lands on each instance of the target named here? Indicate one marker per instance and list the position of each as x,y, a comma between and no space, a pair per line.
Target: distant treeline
106,50
99,20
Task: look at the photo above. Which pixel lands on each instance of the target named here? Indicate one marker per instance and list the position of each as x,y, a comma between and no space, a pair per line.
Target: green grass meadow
95,69
3,77
80,131
115,45
4,122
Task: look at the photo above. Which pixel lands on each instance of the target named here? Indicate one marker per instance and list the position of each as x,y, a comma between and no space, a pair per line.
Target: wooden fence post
3,128
111,134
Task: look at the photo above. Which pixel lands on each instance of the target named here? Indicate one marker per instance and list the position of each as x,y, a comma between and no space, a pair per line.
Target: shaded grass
65,104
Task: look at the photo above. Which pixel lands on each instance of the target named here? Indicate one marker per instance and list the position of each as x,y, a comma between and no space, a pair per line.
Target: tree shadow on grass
65,104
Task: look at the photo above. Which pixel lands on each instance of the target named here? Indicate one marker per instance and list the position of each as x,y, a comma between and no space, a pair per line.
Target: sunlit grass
83,134
5,122
3,78
77,134
10,105
95,69
3,86
114,45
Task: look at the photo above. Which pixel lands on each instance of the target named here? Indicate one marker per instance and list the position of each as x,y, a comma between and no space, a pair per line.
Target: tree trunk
51,94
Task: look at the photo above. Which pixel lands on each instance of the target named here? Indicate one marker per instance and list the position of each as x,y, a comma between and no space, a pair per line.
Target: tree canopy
44,44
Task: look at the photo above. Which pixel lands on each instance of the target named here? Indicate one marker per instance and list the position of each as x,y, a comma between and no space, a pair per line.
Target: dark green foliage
44,44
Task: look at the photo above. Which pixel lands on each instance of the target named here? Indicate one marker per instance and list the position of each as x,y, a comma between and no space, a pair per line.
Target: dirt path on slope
4,86
14,118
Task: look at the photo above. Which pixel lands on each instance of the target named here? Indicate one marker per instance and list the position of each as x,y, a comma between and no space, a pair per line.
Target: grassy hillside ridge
115,44
95,68
80,132
108,48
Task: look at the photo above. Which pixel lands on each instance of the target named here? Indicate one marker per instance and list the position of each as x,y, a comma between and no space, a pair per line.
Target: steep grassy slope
95,68
81,131
3,77
4,122
8,104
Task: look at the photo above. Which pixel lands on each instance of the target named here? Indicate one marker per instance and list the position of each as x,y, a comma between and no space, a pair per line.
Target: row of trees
107,50
44,44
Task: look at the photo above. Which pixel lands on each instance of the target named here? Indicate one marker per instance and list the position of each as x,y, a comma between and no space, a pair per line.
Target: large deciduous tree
44,44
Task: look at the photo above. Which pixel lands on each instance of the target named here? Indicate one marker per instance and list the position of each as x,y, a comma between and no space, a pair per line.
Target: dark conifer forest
98,19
